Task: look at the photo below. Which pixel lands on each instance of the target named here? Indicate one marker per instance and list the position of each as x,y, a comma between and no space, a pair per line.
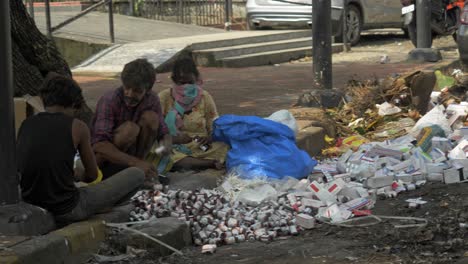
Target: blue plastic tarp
261,147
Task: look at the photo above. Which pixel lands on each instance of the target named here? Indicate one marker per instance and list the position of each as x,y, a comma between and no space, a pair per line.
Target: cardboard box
435,177
379,182
25,107
452,176
305,221
435,167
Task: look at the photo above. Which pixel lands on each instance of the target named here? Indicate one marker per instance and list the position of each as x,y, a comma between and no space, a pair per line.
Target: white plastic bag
257,195
286,118
387,109
434,117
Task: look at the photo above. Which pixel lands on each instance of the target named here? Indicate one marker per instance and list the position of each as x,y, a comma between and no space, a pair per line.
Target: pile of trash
227,215
388,108
388,148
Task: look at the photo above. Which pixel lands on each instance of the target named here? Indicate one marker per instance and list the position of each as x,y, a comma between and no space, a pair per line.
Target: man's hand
182,138
147,167
204,140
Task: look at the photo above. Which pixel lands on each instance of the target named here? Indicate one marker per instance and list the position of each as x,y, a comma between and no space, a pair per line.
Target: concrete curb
71,244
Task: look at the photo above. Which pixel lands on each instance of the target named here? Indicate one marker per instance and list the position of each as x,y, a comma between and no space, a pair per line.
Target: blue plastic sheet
261,147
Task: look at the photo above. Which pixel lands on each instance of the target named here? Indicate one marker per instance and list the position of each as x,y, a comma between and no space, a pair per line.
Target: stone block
83,237
310,116
51,249
311,140
302,124
169,230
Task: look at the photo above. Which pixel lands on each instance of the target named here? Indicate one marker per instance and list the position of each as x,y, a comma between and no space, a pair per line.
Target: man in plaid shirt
128,121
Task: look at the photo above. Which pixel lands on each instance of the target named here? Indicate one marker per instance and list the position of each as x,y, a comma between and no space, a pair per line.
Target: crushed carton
453,176
379,182
321,193
305,221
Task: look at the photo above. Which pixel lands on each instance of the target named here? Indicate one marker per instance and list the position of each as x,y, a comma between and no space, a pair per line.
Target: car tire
353,26
251,26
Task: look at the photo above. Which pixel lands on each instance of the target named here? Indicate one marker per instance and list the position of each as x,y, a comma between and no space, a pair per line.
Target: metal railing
93,7
218,13
198,12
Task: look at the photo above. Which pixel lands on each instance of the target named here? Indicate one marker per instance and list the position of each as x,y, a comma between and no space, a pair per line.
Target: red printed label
314,188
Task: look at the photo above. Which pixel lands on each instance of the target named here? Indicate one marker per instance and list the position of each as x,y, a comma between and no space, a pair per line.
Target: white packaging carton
305,221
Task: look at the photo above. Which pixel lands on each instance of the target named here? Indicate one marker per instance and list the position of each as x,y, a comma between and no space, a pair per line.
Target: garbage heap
387,148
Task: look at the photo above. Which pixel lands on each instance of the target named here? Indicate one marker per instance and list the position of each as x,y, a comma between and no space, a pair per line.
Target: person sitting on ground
189,114
128,121
46,148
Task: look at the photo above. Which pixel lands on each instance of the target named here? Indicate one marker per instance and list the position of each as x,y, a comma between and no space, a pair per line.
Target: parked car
462,36
362,14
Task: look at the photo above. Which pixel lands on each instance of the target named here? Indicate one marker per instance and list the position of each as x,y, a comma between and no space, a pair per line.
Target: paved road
257,90
263,90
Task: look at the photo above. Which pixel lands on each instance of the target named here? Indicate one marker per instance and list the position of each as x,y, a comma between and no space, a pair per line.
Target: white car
361,14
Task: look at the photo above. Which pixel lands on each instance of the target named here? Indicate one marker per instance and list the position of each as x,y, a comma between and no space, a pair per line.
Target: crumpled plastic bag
386,109
261,148
286,118
257,195
434,117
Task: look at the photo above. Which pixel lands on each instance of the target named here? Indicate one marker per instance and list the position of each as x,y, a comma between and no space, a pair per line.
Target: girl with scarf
189,114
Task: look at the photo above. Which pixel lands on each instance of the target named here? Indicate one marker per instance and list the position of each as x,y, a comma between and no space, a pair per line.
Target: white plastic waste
257,195
434,117
286,118
387,109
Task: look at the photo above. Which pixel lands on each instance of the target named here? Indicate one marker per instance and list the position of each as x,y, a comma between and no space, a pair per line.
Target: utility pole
423,51
321,43
9,183
111,22
323,94
16,217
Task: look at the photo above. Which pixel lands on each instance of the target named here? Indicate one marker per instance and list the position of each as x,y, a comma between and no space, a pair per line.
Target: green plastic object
444,80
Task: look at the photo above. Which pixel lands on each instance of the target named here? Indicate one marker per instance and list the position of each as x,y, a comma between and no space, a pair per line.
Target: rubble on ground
391,143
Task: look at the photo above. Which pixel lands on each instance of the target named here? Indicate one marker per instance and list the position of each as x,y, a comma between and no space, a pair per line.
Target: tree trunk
34,56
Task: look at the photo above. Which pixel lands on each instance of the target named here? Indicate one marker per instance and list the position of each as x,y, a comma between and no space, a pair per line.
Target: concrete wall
75,52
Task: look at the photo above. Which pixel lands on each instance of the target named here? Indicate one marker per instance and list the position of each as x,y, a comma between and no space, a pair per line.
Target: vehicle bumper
281,16
462,39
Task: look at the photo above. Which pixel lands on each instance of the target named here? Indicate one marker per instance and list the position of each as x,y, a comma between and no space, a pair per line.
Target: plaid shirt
111,112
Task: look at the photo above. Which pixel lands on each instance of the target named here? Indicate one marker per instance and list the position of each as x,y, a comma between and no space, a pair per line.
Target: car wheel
353,26
251,26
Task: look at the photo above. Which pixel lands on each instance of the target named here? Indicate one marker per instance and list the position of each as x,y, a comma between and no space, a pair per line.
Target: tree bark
34,56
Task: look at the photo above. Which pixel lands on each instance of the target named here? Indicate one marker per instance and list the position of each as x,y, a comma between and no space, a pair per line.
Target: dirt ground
441,241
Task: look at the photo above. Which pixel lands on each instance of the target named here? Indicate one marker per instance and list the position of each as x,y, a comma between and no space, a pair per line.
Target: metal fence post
9,193
321,43
111,22
131,7
31,8
48,20
228,11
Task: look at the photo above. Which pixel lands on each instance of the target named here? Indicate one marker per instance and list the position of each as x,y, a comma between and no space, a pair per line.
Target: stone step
271,57
249,39
212,57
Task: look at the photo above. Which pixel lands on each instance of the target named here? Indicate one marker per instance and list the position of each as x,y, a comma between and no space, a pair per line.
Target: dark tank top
45,154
